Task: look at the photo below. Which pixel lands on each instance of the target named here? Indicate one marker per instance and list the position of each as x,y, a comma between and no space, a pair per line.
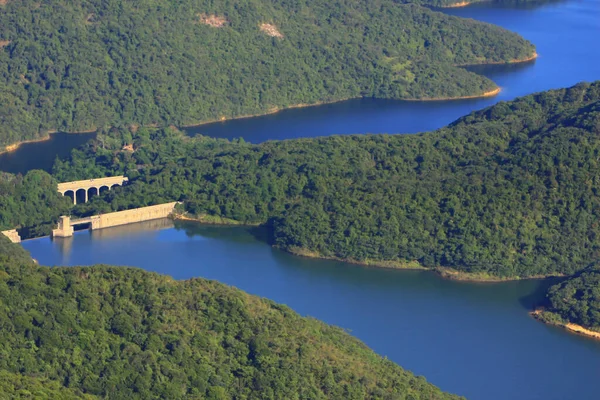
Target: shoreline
210,220
442,272
271,111
276,110
533,57
487,94
15,146
568,326
47,136
459,276
398,265
461,4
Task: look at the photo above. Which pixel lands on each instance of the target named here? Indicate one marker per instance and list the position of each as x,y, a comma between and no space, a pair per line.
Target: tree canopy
76,66
576,300
508,191
124,333
30,202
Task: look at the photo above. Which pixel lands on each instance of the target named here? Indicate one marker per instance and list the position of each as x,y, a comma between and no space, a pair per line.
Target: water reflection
132,229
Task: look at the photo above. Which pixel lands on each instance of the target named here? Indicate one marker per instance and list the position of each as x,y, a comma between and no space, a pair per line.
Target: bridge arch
81,196
93,191
71,194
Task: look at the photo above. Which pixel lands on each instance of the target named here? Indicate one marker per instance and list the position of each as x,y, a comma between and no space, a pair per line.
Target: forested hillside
83,65
31,202
509,191
123,333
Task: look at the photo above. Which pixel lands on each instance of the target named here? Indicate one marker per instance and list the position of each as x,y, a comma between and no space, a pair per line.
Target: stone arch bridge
88,188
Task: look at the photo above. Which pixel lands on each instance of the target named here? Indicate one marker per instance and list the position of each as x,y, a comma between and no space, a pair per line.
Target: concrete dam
66,225
93,187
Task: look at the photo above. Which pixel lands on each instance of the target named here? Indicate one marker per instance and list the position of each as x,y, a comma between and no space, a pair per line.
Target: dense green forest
31,202
575,300
76,66
124,333
16,386
508,191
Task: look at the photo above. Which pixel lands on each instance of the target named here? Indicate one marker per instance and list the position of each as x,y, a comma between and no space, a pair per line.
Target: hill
123,333
77,66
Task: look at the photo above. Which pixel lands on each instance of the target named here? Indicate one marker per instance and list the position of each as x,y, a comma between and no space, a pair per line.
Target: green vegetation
75,66
15,386
575,300
30,202
123,333
510,191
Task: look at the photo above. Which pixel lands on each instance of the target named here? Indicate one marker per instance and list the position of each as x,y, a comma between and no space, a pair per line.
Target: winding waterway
566,35
476,340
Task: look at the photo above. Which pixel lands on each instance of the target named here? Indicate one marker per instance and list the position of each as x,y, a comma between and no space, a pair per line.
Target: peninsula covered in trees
77,66
507,192
123,333
575,303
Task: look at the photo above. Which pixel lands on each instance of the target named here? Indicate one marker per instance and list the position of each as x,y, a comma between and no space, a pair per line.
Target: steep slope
123,333
77,66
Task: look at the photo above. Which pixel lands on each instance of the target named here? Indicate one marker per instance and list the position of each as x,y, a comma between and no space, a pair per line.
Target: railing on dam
66,224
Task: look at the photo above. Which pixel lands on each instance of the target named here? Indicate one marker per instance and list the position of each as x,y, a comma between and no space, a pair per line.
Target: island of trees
78,66
123,333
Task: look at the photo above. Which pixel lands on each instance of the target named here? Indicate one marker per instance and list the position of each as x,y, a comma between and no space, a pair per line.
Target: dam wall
66,224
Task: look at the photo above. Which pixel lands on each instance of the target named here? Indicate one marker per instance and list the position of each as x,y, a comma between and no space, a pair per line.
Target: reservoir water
476,340
566,34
